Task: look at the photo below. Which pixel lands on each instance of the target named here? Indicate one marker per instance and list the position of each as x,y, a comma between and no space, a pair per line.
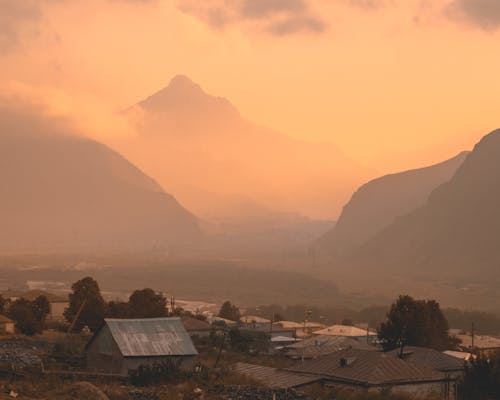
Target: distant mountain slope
456,233
379,202
220,153
63,192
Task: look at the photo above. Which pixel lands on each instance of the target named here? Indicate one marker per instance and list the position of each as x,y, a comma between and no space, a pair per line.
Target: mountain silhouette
62,192
456,232
200,144
378,203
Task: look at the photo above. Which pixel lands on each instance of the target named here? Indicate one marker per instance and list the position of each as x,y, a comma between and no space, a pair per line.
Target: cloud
15,17
366,4
277,17
484,14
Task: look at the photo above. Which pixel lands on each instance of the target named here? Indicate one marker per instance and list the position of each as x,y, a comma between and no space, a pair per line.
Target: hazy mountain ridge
62,192
456,232
222,153
376,204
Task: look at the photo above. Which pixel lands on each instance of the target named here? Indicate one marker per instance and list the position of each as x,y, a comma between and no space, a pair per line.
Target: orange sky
395,84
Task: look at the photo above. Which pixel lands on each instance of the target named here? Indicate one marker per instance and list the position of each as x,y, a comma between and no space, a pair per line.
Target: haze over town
288,156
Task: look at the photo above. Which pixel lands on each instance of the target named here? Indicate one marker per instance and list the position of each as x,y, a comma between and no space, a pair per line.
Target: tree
229,311
417,323
117,309
146,303
41,308
86,291
3,303
482,378
26,316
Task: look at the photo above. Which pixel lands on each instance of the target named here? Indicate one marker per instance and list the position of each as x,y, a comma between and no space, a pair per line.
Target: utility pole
472,337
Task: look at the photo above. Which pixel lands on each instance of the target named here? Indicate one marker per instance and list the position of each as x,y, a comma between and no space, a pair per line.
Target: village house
373,371
121,345
320,345
7,326
196,327
301,329
349,331
271,331
254,321
430,358
481,343
275,378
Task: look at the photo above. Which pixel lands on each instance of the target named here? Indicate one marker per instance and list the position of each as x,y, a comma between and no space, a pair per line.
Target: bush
168,371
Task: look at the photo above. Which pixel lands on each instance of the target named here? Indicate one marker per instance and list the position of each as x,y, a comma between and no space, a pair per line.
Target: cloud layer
277,17
15,16
481,13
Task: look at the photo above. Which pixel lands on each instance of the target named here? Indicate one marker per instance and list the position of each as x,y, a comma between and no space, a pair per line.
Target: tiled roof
151,337
319,345
366,368
430,358
274,378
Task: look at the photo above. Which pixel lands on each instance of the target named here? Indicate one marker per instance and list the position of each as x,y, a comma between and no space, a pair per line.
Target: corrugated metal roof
430,358
320,345
364,367
151,337
274,378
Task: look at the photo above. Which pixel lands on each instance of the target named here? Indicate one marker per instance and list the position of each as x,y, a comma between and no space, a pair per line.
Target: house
374,371
222,322
254,320
461,355
430,358
302,329
320,345
121,345
196,327
275,378
348,331
273,331
7,326
482,343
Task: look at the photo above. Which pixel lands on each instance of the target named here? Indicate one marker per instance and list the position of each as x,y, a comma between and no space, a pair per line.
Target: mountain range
378,203
455,233
63,192
201,148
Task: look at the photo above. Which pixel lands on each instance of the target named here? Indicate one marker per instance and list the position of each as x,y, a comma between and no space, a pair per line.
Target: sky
395,84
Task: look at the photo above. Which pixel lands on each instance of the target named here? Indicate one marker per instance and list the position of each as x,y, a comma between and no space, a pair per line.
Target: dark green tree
85,291
229,311
117,309
417,323
22,312
41,308
146,303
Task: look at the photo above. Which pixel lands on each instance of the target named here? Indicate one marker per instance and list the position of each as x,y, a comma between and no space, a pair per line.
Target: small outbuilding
122,345
7,326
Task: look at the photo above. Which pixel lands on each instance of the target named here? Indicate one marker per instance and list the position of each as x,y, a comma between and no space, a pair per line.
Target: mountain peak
181,83
182,96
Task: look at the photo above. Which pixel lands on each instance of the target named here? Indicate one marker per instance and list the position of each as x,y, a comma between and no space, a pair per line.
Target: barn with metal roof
121,345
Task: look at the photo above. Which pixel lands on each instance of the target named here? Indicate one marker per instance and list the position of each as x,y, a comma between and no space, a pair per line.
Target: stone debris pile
17,355
256,393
